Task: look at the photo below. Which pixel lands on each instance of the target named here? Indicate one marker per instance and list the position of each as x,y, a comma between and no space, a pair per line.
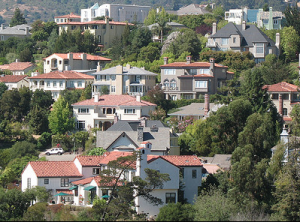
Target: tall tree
292,16
18,18
60,118
290,43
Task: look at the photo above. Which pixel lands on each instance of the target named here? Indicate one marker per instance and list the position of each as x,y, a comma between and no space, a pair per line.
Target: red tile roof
195,76
99,22
114,100
286,118
77,56
109,184
12,78
54,169
83,181
191,65
282,87
182,160
15,66
67,191
63,75
71,15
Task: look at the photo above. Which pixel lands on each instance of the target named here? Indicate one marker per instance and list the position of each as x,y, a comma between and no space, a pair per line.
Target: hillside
46,10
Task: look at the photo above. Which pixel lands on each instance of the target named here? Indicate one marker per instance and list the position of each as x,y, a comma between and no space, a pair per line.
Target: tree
81,137
23,148
292,16
295,124
18,18
42,99
162,26
176,212
97,151
36,212
60,118
3,88
290,43
38,120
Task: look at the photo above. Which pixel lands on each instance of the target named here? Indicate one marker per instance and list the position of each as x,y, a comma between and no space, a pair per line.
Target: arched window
173,84
109,111
166,83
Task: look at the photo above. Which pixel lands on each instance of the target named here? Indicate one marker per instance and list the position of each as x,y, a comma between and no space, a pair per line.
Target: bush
176,212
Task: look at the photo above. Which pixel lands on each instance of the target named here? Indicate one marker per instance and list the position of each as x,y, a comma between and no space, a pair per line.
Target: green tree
23,148
38,120
81,137
292,16
42,99
149,53
97,151
295,124
18,18
3,88
60,118
151,17
290,43
36,212
176,212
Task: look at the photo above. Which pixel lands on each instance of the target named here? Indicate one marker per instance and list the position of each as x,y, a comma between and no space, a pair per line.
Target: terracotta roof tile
282,87
83,181
12,78
110,184
63,75
77,56
99,22
183,160
54,169
67,191
191,65
71,15
114,100
212,168
195,76
15,66
286,118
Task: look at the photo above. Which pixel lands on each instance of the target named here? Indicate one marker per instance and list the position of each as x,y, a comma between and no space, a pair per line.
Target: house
222,160
15,82
117,12
129,135
80,182
240,38
196,110
188,80
59,81
284,96
80,62
105,31
67,18
20,31
102,111
268,19
55,176
124,80
18,68
193,9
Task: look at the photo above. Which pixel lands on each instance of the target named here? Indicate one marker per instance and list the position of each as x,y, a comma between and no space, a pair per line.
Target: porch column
280,108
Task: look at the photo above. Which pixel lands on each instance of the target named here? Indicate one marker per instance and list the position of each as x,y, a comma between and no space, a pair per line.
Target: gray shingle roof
194,109
131,71
250,35
16,30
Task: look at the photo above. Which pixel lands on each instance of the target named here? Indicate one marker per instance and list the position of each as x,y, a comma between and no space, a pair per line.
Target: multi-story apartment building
117,12
240,38
124,80
188,80
81,62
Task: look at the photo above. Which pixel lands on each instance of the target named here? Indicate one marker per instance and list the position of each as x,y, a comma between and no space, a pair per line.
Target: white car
52,151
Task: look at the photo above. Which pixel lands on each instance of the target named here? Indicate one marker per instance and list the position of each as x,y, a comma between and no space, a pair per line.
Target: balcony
211,43
136,93
169,88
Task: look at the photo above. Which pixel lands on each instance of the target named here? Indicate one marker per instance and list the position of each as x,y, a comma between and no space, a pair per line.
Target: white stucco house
80,178
103,111
58,81
18,68
15,82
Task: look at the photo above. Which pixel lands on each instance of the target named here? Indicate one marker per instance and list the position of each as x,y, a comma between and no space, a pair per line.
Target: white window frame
54,84
80,124
79,84
259,48
83,110
170,71
199,84
48,84
64,182
113,89
224,41
129,111
170,197
46,181
28,183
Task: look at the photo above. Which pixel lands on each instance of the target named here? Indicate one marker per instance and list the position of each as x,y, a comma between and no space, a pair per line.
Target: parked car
52,151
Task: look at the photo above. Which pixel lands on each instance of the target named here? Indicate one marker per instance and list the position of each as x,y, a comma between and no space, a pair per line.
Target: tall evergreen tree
18,18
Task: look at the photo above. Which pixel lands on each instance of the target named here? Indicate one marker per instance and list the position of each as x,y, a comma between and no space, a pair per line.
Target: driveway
63,157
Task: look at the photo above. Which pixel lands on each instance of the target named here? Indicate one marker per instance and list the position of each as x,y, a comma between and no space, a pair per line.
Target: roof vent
154,128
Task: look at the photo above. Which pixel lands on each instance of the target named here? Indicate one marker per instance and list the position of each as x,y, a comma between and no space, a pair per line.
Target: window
96,171
54,83
64,182
111,27
72,84
79,84
204,71
61,84
193,72
234,39
174,97
285,112
166,83
113,89
55,95
107,77
94,26
170,71
83,110
170,197
275,21
28,183
2,37
194,174
99,38
81,124
259,47
285,96
48,83
224,41
129,111
173,84
46,181
113,77
200,84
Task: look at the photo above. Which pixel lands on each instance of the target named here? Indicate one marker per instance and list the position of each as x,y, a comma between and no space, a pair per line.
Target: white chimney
96,97
138,98
188,59
243,26
214,28
166,60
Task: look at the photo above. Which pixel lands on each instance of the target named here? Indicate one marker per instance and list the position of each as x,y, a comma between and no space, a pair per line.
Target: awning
90,188
73,187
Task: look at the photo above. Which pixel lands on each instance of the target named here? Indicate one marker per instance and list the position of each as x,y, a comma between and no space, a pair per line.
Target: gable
123,141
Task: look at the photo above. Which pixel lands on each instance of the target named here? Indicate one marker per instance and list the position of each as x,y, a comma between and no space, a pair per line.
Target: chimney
188,59
26,30
119,69
166,60
106,20
83,56
99,68
212,65
140,131
128,66
96,97
2,26
116,118
143,121
277,43
17,60
270,23
243,25
206,104
138,98
214,28
280,108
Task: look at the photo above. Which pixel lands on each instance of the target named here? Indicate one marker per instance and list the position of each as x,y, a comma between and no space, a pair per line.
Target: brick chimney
140,131
206,104
211,66
280,108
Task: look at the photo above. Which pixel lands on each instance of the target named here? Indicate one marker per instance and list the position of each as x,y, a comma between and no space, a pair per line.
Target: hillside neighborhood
130,112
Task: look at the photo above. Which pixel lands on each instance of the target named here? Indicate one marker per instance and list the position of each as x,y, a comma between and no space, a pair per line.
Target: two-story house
102,111
67,18
188,80
18,68
105,31
244,37
117,12
284,95
128,135
20,31
15,82
124,80
59,81
80,62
